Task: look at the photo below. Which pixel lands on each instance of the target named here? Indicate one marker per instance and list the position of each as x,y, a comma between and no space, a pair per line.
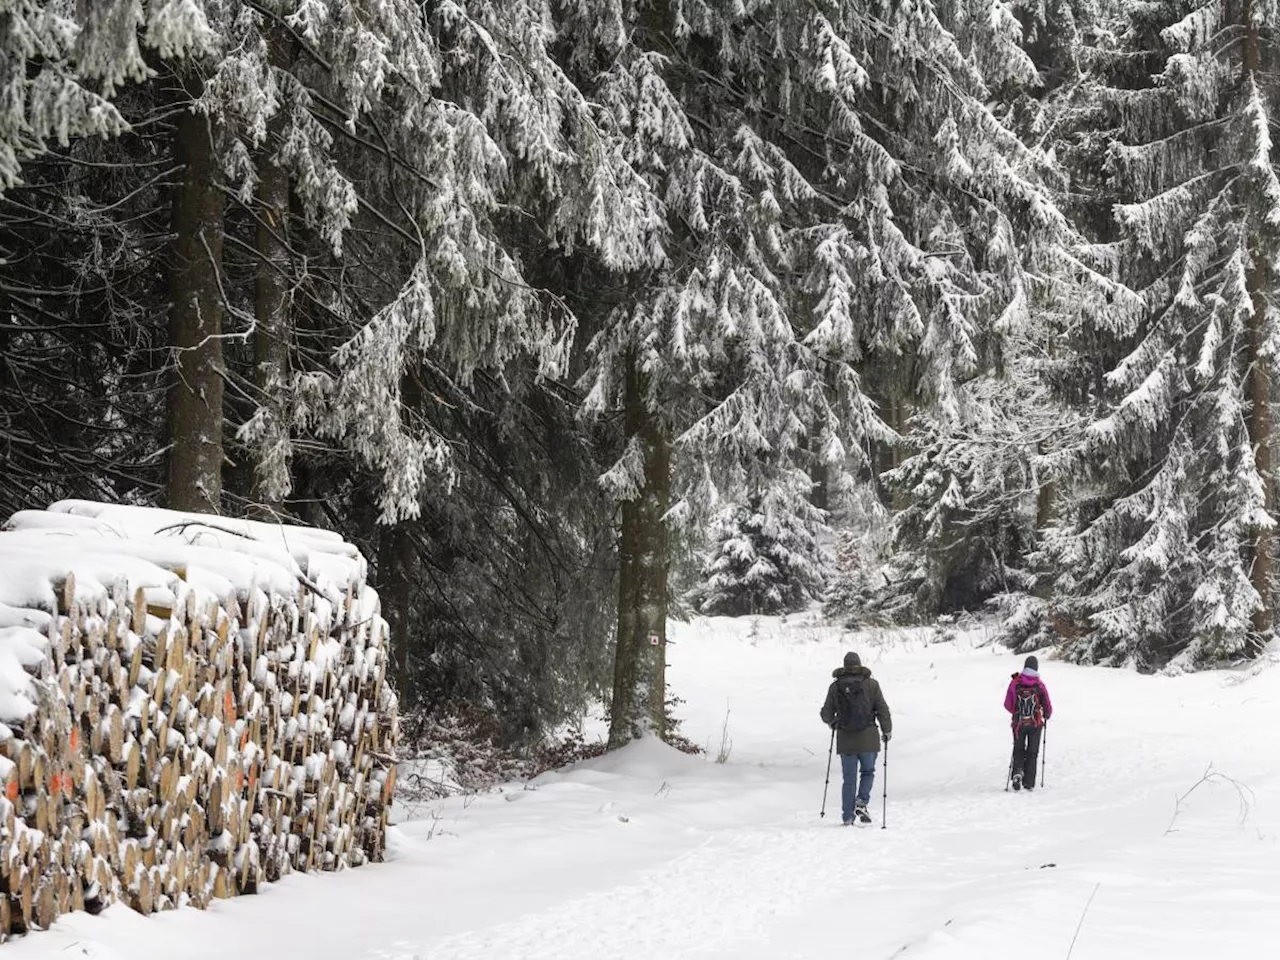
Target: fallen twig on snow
1243,793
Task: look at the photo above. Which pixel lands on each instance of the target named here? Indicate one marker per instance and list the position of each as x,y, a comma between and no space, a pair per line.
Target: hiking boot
860,813
1017,781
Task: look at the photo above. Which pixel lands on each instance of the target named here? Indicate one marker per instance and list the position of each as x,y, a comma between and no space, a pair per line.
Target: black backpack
1027,711
853,705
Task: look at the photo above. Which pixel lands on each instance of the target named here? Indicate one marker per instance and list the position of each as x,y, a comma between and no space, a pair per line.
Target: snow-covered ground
652,854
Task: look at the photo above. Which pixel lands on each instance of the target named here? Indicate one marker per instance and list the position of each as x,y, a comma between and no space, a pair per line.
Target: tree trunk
1044,498
397,568
820,474
819,469
396,563
640,655
1260,438
640,660
195,317
1259,385
892,456
273,333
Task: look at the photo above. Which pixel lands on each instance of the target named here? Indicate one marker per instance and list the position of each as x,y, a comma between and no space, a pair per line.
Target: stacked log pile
189,707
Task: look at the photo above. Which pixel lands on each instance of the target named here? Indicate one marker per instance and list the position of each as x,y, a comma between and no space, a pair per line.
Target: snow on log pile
189,706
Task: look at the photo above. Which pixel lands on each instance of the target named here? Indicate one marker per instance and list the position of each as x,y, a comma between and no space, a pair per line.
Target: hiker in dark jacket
853,707
1027,699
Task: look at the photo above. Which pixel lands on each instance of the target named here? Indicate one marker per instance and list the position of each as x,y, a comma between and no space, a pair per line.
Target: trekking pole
884,801
1009,778
1044,754
830,750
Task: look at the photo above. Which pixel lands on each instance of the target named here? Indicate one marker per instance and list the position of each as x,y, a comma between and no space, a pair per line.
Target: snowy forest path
754,873
650,854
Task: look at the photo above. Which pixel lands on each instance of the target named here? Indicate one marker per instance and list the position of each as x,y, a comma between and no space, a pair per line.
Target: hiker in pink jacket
1027,700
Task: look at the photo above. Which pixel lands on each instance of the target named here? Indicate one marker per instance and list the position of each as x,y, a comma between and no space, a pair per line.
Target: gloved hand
886,737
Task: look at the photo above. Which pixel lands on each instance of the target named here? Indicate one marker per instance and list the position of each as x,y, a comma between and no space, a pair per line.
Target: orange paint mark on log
75,739
228,707
11,791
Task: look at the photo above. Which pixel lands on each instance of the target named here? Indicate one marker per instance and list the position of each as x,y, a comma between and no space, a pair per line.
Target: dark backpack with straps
853,705
1027,710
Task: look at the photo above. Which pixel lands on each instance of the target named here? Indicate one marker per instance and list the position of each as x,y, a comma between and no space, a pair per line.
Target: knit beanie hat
852,660
1031,664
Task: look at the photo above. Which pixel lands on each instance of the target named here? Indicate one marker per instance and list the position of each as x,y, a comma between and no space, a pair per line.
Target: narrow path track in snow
725,893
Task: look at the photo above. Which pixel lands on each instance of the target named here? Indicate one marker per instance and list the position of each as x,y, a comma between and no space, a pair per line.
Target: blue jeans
849,765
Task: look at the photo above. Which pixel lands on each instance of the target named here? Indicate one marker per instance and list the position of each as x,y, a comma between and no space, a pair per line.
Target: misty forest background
577,315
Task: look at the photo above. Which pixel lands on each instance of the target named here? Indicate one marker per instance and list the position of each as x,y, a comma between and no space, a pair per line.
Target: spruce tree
969,505
836,193
1164,549
765,556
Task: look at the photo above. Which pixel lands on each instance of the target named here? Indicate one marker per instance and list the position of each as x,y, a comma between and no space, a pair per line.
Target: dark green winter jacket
861,741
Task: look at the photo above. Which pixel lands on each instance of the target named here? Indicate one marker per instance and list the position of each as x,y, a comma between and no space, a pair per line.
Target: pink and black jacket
1028,678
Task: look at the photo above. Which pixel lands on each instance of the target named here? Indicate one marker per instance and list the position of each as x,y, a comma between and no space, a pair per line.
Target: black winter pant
1026,749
